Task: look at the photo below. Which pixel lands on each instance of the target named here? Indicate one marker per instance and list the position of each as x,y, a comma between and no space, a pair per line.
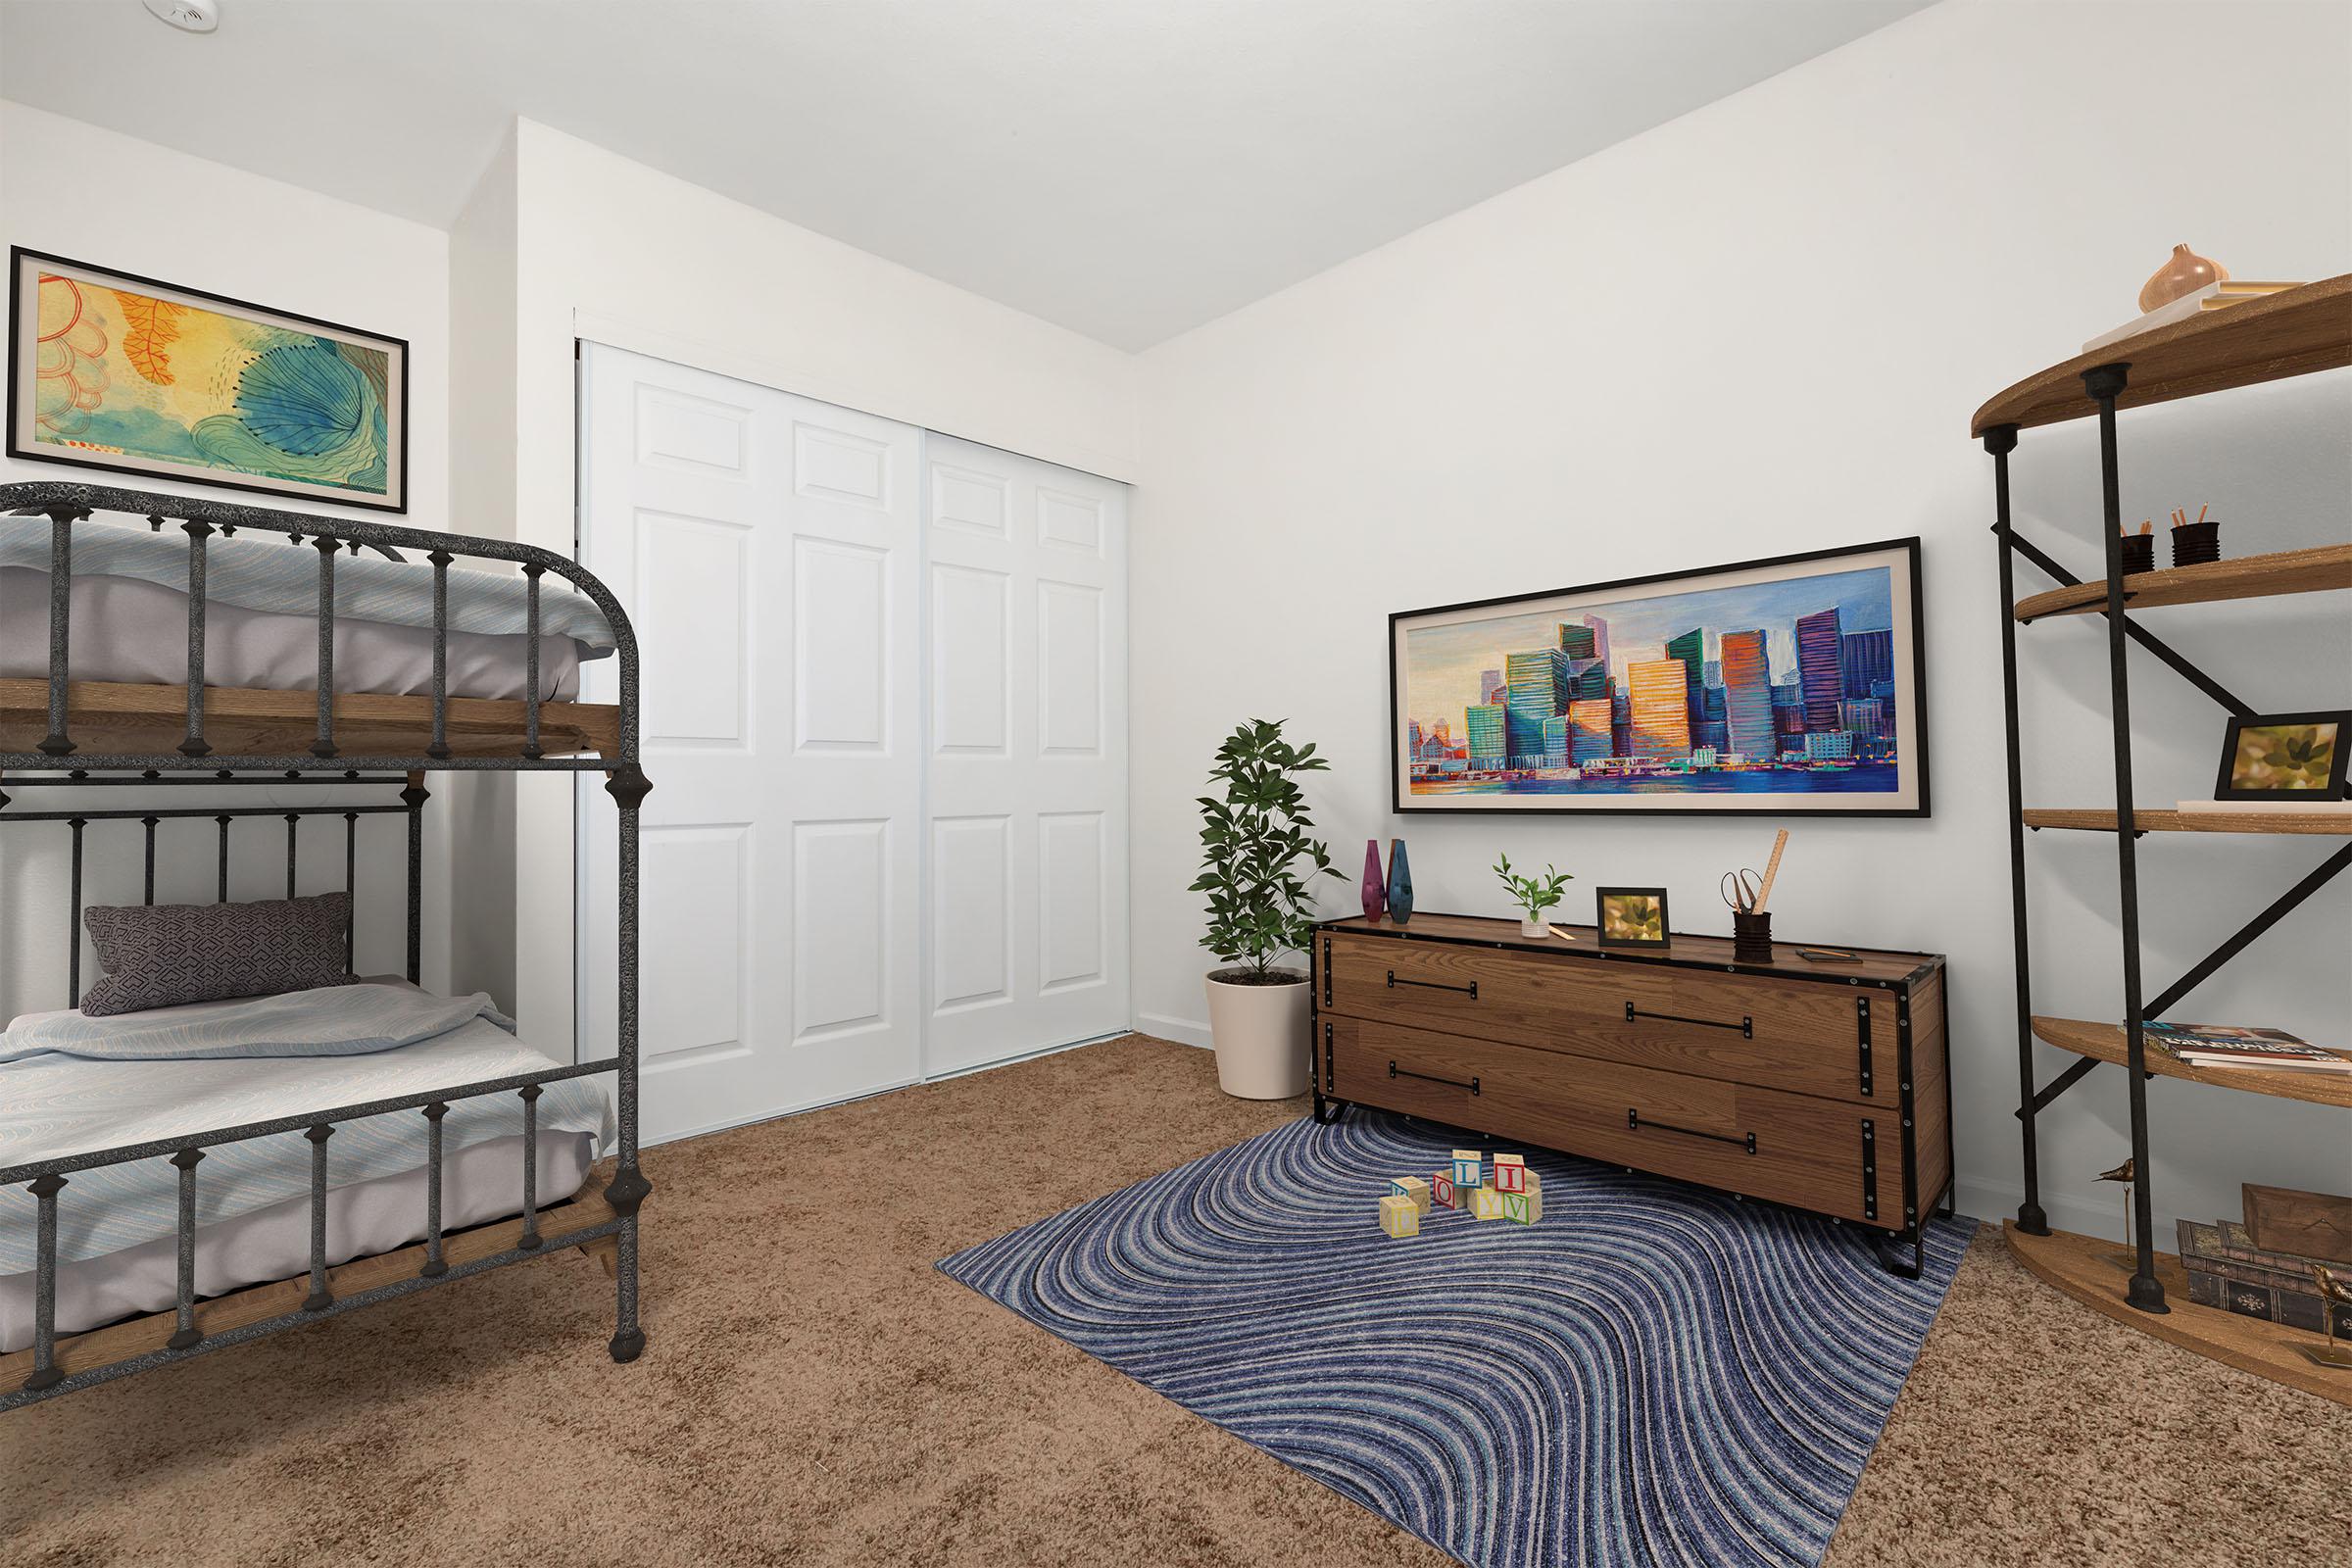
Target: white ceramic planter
1260,1033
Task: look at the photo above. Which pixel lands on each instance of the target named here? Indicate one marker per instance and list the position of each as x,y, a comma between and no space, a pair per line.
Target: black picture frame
2340,719
1601,920
1907,656
23,368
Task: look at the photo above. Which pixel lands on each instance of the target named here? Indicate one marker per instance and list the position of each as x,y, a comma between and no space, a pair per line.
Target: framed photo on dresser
1787,686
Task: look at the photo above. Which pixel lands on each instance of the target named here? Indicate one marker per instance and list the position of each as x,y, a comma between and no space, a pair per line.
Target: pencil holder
2139,553
2195,543
1751,937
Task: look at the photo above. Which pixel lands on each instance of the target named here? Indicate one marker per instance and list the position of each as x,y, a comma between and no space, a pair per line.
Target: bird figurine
2336,1293
2127,1174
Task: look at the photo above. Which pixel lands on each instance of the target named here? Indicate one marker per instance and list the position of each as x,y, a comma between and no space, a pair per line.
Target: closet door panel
766,548
1027,728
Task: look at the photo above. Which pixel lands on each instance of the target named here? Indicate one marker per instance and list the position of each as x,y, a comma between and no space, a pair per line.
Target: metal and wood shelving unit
2295,332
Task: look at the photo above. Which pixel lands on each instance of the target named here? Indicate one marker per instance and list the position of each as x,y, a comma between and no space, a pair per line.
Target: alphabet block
1510,1174
1442,1192
1469,1168
1486,1203
1410,1187
1525,1207
1400,1216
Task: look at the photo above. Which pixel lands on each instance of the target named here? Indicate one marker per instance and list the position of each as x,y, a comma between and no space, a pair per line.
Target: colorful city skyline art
1788,685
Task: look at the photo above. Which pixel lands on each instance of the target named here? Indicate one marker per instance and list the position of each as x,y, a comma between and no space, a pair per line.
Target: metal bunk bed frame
193,762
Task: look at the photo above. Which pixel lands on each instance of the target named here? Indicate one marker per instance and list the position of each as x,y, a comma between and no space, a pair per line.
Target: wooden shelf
127,720
139,1336
2294,332
2094,1273
2334,820
2285,572
2105,1042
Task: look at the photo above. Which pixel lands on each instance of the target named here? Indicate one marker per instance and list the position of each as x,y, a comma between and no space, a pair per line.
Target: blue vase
1400,883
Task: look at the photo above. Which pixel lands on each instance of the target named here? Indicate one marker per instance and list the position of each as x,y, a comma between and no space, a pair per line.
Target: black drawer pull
1395,1071
1632,1119
1746,1026
1470,989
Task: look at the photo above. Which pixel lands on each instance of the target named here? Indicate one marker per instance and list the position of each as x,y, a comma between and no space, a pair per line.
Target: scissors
1740,888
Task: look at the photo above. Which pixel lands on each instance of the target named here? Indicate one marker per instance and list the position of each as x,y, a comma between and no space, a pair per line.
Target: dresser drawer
1760,1143
1808,1037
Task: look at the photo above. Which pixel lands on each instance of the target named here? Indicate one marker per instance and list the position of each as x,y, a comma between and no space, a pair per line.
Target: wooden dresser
1822,1086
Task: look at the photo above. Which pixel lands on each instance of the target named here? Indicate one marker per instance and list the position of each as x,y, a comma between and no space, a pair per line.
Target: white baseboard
1183,1031
1995,1201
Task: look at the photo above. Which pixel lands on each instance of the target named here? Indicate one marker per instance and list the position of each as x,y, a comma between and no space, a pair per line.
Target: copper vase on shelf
2185,272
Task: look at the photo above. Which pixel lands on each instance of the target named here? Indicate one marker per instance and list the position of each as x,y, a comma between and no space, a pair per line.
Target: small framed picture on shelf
1632,917
2284,757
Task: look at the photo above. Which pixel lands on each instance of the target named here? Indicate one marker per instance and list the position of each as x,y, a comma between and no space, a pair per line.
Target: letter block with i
1510,1174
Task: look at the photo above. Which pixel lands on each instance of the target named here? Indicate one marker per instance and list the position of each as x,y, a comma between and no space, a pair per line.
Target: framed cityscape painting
110,371
1774,687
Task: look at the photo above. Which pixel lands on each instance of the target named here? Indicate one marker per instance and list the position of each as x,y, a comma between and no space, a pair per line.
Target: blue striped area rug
1651,1374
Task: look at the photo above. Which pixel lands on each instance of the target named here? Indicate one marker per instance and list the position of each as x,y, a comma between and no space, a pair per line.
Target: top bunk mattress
129,617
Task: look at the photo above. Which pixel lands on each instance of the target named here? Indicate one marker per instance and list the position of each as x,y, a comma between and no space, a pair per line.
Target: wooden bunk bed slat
127,719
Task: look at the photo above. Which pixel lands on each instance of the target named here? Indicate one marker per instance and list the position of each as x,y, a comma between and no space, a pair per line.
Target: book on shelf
2207,1045
2226,1269
2213,296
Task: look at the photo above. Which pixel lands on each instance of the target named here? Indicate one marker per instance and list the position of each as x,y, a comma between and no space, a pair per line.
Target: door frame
598,332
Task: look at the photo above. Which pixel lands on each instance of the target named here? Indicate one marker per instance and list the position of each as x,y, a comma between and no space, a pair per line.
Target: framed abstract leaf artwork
1791,685
110,371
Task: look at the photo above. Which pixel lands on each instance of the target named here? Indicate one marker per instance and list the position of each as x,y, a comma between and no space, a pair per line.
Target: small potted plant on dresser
1534,895
1256,862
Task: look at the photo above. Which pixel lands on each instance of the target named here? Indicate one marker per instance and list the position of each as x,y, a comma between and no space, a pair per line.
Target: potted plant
1533,894
1256,860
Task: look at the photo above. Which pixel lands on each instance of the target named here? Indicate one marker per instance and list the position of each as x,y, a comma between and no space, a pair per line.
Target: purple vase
1376,897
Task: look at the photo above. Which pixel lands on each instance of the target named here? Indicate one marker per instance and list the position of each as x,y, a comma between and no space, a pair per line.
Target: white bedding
130,617
128,630
116,1225
477,1185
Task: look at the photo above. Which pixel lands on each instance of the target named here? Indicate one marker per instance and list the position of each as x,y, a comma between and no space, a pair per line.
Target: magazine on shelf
2206,1044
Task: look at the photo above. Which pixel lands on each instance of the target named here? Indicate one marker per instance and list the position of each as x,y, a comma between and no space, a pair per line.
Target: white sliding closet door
1026,592
767,548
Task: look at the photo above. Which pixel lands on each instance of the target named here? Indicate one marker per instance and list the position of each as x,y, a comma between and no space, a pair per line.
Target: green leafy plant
1533,894
1253,843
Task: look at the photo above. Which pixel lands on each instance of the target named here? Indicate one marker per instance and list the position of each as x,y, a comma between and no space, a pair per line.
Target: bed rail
66,505
62,762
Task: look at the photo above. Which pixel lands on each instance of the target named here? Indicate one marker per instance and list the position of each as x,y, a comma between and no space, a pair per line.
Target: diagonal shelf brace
2179,663
2281,908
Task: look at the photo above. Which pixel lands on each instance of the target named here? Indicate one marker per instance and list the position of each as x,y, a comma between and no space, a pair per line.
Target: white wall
76,190
614,252
1763,328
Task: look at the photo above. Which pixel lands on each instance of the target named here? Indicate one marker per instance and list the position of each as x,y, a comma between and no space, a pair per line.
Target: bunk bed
134,1231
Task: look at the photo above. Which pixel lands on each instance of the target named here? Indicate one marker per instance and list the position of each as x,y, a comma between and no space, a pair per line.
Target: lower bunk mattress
117,1225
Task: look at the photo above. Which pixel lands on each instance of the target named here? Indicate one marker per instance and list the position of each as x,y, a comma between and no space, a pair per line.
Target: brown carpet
814,1392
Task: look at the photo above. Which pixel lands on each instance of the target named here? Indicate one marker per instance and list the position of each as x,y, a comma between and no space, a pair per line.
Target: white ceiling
1129,168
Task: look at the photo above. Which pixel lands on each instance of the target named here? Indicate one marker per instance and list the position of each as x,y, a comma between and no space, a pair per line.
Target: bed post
627,785
414,797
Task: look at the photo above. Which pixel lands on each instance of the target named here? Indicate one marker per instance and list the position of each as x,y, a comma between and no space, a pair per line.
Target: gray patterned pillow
163,954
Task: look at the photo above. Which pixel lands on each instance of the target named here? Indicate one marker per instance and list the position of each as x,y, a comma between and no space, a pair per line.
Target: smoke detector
189,15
